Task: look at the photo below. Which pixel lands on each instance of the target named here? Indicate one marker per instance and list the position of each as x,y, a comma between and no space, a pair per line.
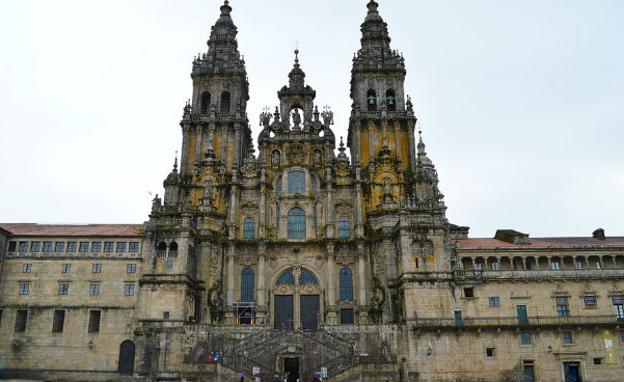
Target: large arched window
296,223
225,102
307,277
344,227
286,278
247,285
346,284
296,182
249,229
391,100
371,100
205,103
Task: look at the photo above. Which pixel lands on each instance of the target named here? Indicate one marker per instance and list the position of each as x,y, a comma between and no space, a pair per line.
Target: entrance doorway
572,371
284,312
291,369
310,307
126,358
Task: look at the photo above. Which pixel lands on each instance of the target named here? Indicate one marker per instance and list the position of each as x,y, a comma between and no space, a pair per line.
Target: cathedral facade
300,260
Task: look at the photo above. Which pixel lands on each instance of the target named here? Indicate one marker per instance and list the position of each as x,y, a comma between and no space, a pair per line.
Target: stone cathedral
301,260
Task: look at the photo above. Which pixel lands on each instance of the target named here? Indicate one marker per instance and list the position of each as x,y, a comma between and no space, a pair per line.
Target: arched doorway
126,358
297,300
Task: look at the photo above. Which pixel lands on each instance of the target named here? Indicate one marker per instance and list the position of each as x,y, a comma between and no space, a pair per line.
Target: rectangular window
131,268
618,306
12,246
468,292
563,309
96,247
129,290
94,289
35,246
23,288
83,247
528,371
65,268
490,352
20,320
598,361
47,246
59,246
494,301
133,247
346,316
96,268
26,268
59,321
108,246
71,246
121,247
590,300
525,338
165,315
555,265
63,289
566,337
23,246
94,321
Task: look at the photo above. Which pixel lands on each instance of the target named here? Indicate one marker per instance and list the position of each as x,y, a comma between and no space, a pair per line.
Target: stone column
237,146
329,214
185,138
230,276
224,144
372,141
355,144
412,145
331,286
361,279
262,206
198,142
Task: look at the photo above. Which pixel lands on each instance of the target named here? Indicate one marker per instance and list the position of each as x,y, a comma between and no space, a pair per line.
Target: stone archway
297,300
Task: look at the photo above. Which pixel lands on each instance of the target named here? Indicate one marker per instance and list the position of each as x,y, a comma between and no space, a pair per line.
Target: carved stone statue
296,118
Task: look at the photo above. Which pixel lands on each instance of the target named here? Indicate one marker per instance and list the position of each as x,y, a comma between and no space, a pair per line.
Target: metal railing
513,322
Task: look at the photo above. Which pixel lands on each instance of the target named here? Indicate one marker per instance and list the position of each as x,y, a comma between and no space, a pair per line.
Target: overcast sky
521,102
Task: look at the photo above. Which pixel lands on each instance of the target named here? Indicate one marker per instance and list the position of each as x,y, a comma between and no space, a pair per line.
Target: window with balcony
296,224
563,309
346,284
249,229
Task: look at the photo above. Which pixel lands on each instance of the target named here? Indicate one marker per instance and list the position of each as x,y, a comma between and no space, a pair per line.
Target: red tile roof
31,229
551,242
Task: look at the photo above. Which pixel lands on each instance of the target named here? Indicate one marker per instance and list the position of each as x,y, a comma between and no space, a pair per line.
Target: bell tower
382,121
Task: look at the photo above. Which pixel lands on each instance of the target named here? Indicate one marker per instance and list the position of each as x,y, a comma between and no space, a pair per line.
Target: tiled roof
31,229
550,242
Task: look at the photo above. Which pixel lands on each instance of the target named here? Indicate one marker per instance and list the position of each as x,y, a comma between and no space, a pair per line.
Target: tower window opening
205,103
391,100
225,102
371,100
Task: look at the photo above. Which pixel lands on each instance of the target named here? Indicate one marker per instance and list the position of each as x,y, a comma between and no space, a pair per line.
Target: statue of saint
297,118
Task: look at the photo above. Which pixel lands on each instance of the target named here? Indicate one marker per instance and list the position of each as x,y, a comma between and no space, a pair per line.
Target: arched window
371,100
286,278
296,223
247,285
278,186
346,284
296,182
205,103
391,100
307,278
249,229
125,366
344,227
162,246
173,246
225,102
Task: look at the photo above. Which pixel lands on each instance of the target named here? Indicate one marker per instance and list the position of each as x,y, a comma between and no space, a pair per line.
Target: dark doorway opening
126,358
284,312
310,307
572,371
291,369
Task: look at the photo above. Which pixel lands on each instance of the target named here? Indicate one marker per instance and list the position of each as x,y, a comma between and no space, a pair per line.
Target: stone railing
514,322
